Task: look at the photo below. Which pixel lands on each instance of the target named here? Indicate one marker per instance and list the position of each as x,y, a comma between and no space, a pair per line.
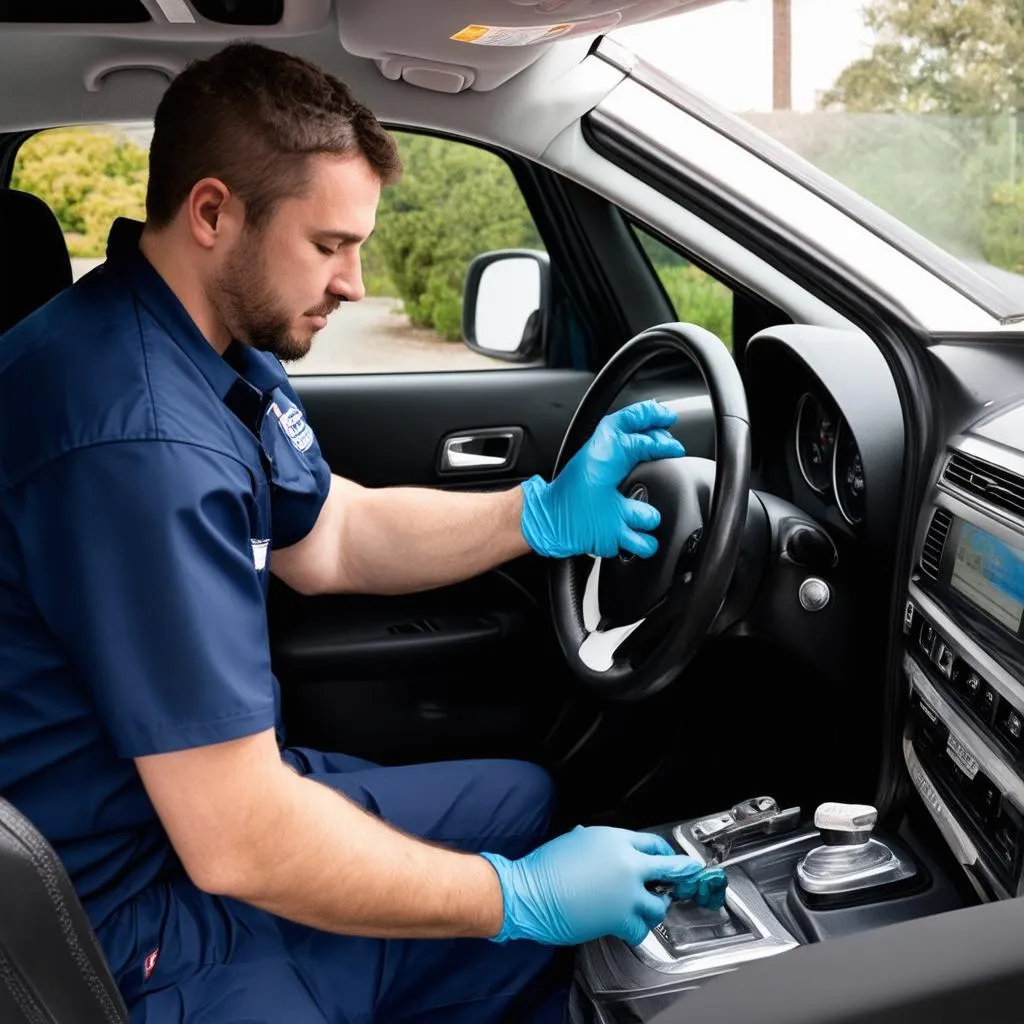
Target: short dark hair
252,116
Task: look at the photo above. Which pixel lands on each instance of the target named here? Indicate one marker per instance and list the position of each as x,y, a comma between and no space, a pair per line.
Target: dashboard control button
972,683
908,617
943,659
814,594
986,702
927,639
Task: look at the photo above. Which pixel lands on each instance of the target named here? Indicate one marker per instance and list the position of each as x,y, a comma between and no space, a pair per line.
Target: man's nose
348,285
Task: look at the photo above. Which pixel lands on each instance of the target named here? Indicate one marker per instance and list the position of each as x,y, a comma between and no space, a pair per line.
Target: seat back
52,970
34,261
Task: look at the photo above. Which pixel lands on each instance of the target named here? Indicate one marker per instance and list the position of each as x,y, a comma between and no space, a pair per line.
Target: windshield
913,104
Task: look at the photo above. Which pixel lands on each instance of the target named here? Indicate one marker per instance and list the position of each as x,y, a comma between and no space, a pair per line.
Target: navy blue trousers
219,961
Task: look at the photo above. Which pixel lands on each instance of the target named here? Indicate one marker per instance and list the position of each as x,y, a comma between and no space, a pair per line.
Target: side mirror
505,304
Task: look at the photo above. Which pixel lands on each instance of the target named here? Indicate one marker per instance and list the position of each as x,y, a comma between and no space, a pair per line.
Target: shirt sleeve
139,556
300,477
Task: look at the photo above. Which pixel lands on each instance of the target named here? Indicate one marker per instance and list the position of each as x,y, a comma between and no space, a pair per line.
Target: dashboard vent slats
991,483
934,542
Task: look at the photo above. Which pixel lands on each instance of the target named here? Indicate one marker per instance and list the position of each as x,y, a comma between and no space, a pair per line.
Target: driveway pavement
373,336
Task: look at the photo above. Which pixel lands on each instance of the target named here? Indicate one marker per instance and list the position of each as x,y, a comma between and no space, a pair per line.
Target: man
155,467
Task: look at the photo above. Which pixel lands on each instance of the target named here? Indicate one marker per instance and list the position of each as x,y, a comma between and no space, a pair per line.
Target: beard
243,296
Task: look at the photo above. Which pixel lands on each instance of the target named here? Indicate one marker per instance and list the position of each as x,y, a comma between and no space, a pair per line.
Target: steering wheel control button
814,594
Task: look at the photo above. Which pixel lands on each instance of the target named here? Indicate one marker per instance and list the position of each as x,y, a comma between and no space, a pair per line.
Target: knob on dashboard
845,824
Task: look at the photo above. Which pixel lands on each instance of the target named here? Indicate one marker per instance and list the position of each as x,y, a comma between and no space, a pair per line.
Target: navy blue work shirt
143,480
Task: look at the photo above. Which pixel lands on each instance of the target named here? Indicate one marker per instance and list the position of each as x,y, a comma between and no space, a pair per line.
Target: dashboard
828,439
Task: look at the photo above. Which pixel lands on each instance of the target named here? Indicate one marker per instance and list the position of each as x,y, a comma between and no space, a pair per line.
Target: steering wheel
629,625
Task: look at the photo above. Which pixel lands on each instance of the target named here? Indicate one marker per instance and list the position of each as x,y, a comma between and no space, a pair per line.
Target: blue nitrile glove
582,512
587,883
706,888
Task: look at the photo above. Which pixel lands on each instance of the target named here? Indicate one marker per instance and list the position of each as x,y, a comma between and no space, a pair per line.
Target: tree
933,127
87,177
950,56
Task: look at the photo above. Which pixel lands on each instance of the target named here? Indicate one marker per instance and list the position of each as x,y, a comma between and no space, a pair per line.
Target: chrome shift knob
845,824
849,859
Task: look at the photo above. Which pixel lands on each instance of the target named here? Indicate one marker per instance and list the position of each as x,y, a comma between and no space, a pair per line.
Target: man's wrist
495,924
531,513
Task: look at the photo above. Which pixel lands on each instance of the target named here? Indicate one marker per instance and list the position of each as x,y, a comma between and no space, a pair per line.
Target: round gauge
815,441
848,476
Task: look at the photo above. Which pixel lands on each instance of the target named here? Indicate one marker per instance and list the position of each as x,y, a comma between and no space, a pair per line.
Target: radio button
927,638
908,617
944,659
986,702
968,679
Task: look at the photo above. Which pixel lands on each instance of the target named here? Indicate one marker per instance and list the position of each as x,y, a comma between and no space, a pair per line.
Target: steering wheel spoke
597,651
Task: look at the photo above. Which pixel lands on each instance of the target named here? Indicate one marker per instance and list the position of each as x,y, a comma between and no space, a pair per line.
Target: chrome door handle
493,449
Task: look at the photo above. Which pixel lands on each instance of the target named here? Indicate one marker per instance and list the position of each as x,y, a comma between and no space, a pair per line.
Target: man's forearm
317,858
403,539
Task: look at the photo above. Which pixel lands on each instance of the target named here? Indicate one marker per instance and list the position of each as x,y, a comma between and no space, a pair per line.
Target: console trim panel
960,843
998,770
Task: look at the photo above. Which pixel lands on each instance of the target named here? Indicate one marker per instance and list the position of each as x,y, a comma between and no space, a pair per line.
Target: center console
793,879
963,661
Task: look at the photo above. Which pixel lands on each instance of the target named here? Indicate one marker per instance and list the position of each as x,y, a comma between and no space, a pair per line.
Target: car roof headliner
519,96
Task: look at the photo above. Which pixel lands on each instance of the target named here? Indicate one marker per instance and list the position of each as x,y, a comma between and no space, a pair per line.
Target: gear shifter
850,859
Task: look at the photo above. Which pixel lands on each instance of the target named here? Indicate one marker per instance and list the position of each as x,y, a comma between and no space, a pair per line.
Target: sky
725,51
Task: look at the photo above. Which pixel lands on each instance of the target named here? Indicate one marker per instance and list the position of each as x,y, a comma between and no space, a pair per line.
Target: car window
454,201
696,296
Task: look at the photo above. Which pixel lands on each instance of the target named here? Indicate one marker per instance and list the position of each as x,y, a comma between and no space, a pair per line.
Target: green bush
699,299
87,177
453,202
1002,230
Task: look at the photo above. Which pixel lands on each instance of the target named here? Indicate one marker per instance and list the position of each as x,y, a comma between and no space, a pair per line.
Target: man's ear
208,212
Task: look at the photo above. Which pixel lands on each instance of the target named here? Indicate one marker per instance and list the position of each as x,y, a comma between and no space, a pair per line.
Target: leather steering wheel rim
672,634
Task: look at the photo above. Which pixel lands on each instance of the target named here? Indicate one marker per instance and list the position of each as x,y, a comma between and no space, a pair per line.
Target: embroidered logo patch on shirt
259,553
149,964
291,421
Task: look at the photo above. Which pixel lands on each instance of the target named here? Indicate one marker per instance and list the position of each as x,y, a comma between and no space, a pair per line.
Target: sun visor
479,44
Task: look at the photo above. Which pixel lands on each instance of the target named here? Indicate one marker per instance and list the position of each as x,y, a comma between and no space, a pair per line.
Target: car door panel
449,672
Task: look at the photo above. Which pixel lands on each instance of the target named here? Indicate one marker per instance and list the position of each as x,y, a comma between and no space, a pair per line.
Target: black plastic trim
942,969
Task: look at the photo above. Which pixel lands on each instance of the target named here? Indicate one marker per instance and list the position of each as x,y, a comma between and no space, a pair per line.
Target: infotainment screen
989,574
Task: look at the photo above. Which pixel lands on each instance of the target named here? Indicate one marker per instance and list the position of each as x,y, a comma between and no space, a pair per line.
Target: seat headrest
34,261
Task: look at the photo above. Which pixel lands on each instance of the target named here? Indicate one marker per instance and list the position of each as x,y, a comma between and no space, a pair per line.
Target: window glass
915,105
696,296
453,202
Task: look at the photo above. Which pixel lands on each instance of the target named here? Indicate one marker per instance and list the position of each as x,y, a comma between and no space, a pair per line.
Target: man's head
268,173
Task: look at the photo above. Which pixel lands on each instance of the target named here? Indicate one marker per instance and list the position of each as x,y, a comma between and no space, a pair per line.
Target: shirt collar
257,372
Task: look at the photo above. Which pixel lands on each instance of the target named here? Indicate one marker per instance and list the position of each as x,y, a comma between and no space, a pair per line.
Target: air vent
934,542
995,485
